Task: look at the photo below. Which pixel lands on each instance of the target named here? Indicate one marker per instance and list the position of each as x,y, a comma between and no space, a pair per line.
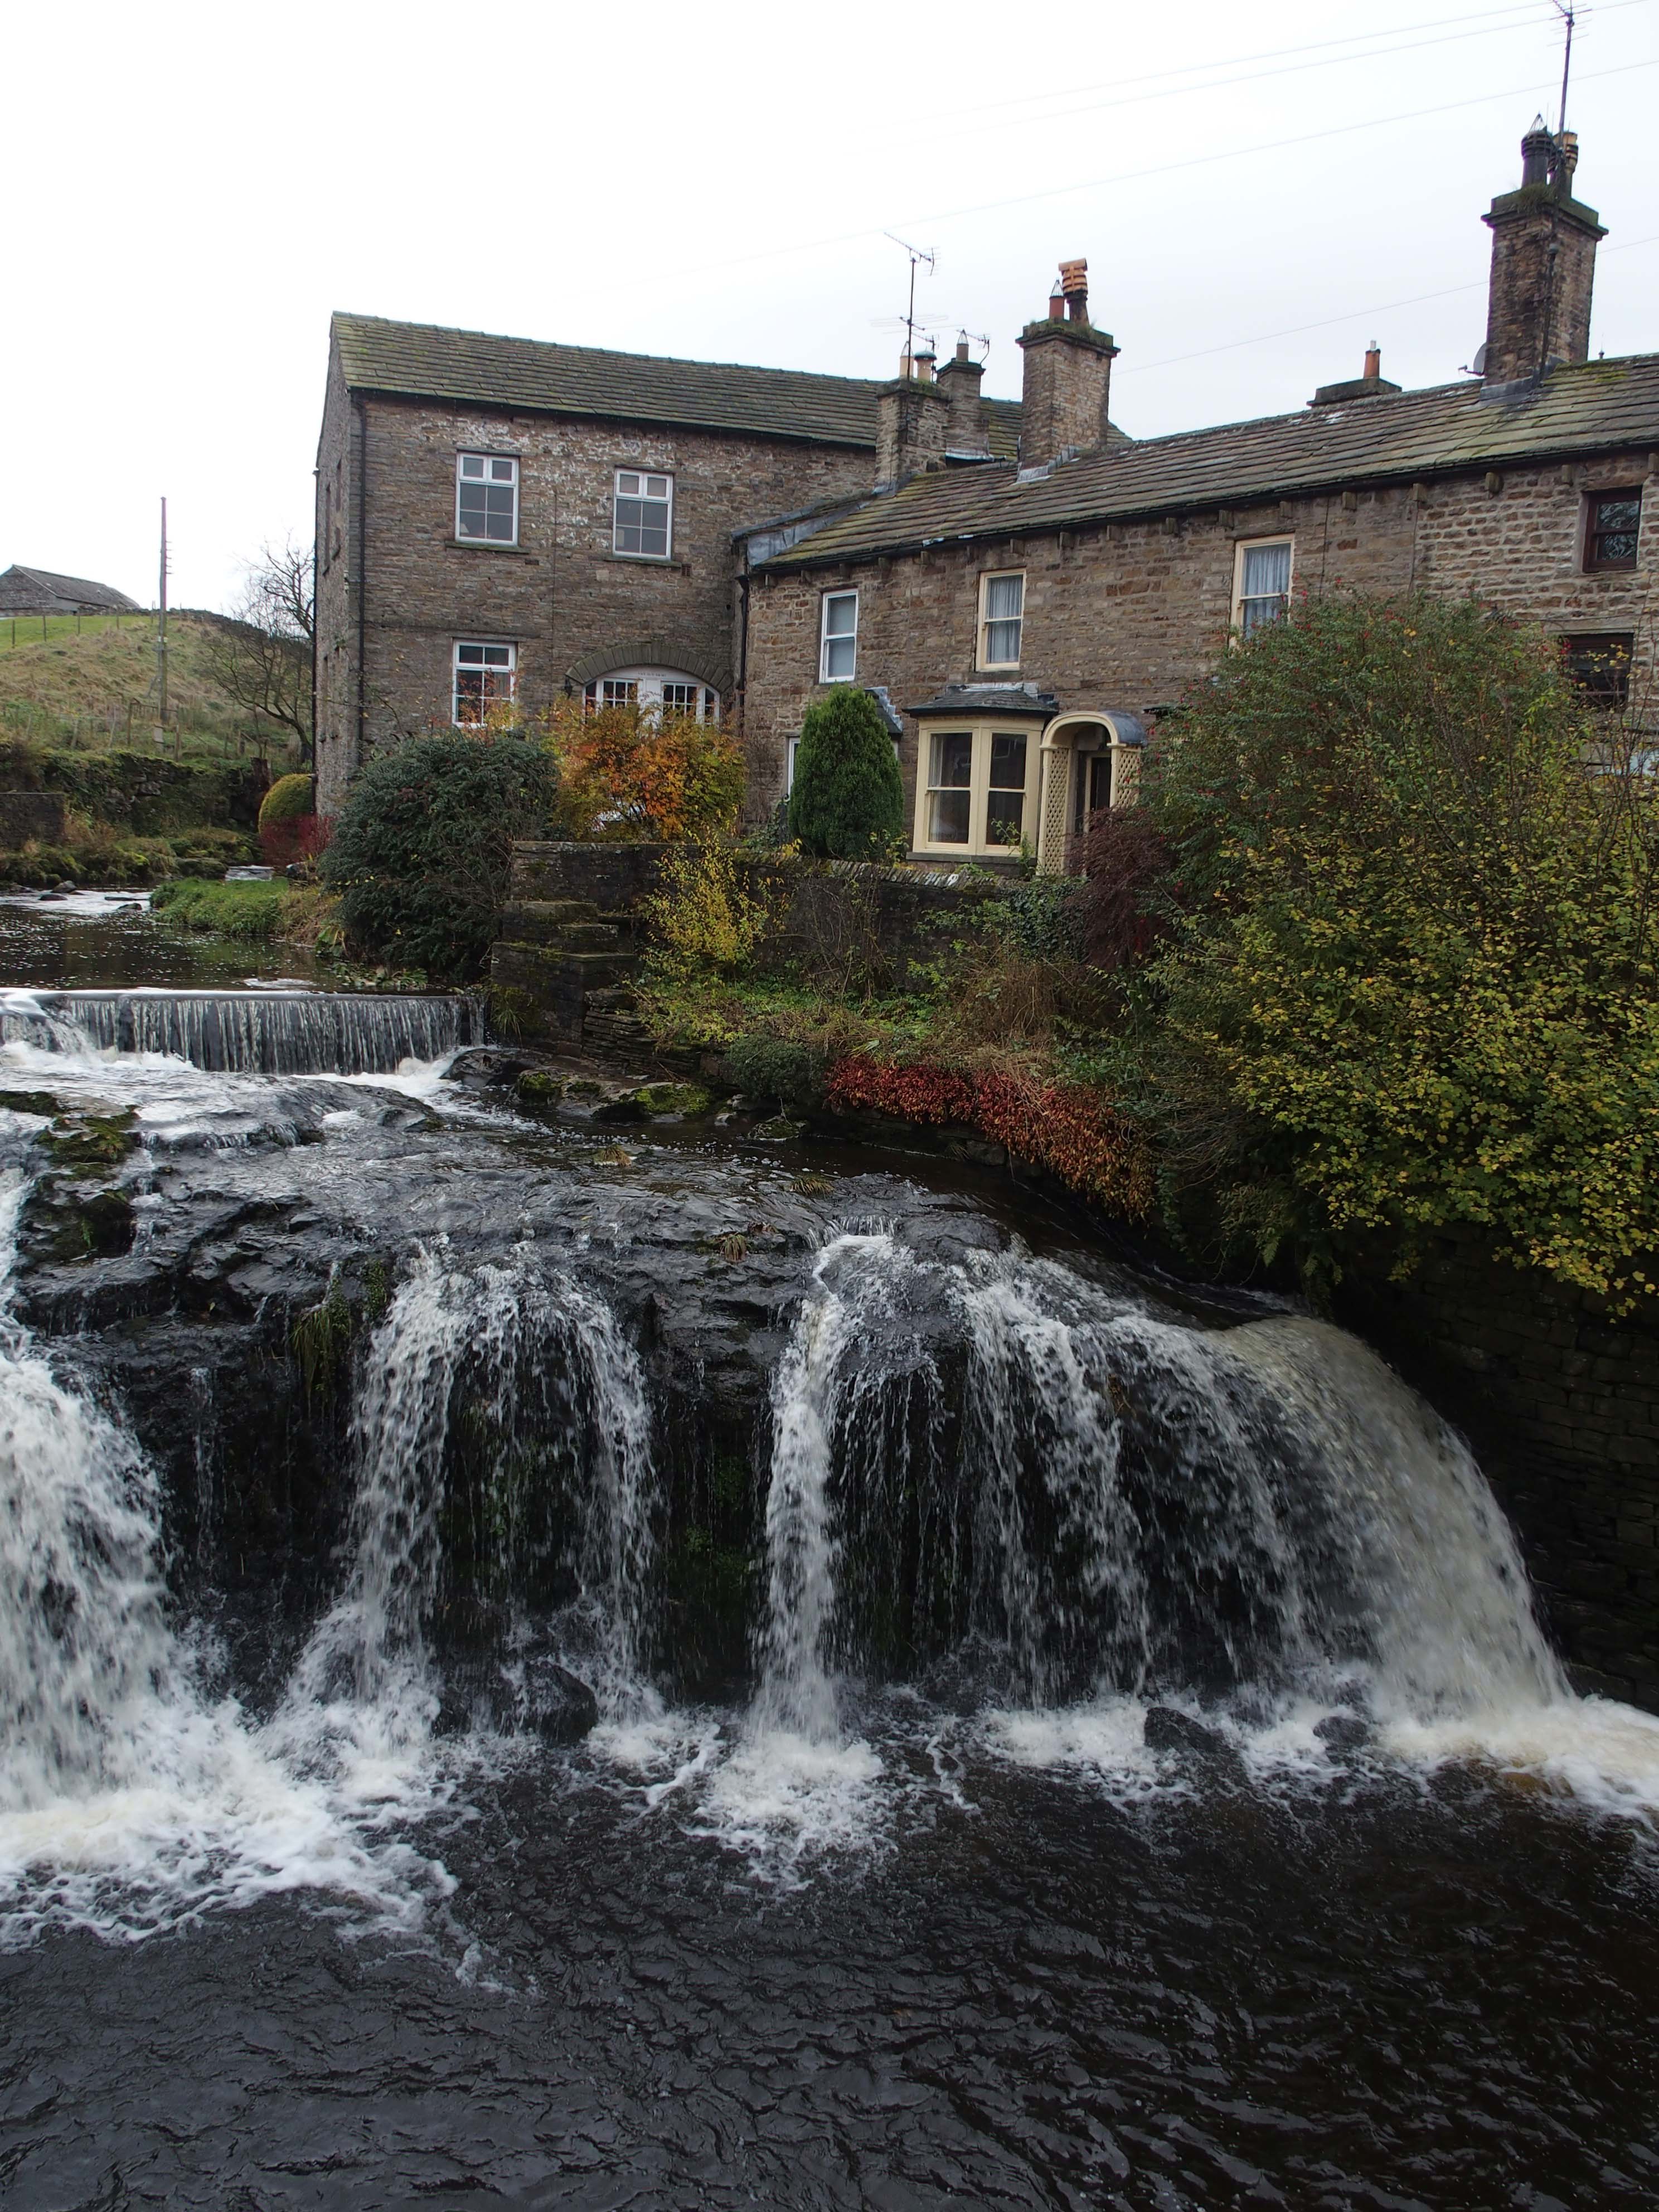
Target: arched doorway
1091,761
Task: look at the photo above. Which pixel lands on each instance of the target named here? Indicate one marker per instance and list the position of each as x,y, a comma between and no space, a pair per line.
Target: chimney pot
1373,362
1543,265
1074,290
962,349
1056,304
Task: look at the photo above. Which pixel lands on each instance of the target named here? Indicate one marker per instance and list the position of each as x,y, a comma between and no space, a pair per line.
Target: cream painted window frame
1241,547
978,784
988,577
828,638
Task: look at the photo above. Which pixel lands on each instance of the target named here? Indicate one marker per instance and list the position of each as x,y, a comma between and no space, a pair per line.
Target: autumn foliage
626,772
1066,1127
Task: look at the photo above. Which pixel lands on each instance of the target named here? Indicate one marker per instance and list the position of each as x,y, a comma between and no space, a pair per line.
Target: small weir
273,1032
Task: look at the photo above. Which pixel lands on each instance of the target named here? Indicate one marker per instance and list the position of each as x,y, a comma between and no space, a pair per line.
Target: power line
1235,153
1353,315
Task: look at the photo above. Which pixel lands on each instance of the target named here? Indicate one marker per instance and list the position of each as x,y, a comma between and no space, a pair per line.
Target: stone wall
1561,1404
26,814
1128,615
561,595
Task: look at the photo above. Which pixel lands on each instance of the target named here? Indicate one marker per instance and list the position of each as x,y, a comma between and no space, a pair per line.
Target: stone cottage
1022,586
500,518
1027,617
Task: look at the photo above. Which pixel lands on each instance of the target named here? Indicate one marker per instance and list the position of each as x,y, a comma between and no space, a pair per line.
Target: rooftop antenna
1564,9
978,338
917,253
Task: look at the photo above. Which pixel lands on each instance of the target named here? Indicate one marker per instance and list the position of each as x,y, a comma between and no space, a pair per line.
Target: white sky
191,188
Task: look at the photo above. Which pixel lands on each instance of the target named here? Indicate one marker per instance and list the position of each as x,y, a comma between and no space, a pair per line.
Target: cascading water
519,1388
246,1032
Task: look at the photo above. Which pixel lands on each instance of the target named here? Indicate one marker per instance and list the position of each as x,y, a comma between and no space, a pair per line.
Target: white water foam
131,1799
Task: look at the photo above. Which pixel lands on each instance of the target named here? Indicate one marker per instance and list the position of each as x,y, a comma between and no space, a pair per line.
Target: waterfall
506,1403
832,1409
1115,1502
247,1032
84,1647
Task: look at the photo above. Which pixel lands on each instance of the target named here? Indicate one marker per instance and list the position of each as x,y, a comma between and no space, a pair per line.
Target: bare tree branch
260,655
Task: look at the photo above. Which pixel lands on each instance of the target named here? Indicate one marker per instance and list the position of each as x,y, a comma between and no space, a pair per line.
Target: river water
1136,1776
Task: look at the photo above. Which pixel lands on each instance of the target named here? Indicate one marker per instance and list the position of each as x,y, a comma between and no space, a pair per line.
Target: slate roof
1596,406
424,361
27,590
990,699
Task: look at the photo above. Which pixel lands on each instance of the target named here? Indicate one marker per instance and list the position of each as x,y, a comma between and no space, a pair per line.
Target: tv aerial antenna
920,257
1566,10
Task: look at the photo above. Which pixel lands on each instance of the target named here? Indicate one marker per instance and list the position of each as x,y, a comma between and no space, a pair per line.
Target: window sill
1001,669
647,561
487,545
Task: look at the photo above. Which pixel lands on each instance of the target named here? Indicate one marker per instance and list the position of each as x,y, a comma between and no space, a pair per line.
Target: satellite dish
1478,366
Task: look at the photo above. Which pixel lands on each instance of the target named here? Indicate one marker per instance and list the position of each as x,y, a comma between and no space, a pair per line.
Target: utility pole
162,625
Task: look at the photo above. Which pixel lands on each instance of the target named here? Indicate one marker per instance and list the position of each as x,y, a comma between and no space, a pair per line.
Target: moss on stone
93,1144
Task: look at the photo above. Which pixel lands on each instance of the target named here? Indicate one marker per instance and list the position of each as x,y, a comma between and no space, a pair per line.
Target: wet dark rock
552,1703
1345,1732
1166,1729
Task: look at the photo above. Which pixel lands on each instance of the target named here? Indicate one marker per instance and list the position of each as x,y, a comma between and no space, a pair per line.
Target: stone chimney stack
1069,375
959,379
912,414
1543,265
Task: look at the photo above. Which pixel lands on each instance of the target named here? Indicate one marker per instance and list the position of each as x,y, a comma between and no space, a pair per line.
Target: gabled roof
80,590
1594,406
424,361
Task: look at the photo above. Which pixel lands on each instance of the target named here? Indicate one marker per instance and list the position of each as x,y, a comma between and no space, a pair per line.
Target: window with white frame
1001,618
486,498
838,637
655,691
973,795
1261,583
644,514
485,675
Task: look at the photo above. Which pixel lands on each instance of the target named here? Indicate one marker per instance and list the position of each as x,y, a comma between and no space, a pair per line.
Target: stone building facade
495,514
1029,619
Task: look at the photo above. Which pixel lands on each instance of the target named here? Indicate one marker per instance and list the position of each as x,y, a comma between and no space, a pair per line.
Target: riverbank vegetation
1372,956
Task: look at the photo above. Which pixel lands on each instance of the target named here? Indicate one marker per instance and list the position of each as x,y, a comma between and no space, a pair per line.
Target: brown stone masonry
1126,615
561,596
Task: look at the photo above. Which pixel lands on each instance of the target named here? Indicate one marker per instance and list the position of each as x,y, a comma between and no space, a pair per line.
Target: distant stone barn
41,592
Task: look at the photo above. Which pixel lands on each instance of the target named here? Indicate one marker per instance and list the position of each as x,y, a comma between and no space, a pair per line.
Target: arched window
654,691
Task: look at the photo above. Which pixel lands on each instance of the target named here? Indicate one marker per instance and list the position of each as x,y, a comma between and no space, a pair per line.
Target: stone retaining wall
26,814
1561,1403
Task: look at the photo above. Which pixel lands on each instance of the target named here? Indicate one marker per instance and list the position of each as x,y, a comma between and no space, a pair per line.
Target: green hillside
90,683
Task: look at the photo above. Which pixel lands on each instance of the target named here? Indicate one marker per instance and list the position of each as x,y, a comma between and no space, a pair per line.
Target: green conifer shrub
847,802
422,851
289,797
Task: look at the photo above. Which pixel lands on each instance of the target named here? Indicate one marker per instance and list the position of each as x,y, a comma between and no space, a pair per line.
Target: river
558,1662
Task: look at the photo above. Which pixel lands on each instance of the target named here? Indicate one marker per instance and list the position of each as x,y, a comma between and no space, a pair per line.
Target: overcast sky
189,190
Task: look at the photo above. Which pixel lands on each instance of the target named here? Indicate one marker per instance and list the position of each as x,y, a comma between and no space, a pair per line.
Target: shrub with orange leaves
629,772
1066,1127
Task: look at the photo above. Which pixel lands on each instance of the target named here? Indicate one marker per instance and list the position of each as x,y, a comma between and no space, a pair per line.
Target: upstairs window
1615,526
486,498
644,522
838,637
1599,668
1001,618
1261,584
484,677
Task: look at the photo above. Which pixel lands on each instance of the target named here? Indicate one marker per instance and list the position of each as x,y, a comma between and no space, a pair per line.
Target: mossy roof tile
1597,406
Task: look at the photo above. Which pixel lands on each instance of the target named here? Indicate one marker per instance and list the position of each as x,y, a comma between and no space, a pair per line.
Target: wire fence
17,630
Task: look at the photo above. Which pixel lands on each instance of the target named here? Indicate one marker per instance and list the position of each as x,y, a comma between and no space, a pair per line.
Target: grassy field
41,630
92,687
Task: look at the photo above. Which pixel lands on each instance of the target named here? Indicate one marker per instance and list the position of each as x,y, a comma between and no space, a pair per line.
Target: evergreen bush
421,852
288,797
848,800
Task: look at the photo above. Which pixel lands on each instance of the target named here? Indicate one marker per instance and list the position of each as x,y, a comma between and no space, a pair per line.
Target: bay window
974,793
